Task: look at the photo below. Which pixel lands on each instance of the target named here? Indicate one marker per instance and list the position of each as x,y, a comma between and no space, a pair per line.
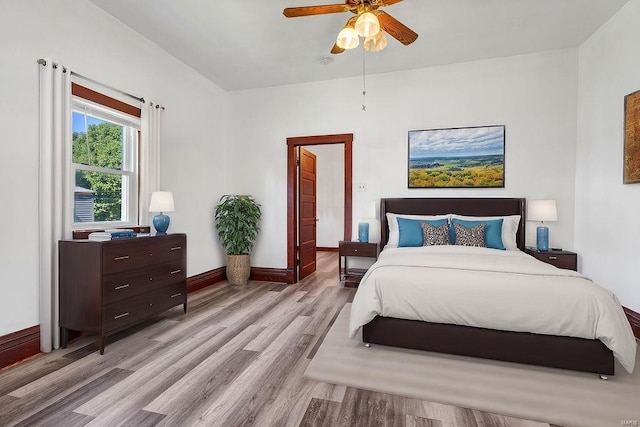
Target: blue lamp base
542,238
363,232
161,224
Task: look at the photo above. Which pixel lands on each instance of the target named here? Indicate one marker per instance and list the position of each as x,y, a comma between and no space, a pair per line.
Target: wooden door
307,212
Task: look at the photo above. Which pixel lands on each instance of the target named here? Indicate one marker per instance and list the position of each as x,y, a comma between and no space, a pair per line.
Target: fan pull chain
364,81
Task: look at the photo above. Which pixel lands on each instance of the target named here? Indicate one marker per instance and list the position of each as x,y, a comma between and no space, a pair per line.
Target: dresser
108,286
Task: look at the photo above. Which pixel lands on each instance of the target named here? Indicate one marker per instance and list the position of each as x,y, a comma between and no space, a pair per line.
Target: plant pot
238,269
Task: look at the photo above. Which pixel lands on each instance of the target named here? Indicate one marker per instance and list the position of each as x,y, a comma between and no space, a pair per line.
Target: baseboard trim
263,274
634,320
19,345
206,279
212,277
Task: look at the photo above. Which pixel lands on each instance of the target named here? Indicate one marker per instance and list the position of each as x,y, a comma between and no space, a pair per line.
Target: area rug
536,393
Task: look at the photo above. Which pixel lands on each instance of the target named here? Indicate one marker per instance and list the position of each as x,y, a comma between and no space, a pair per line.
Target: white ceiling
242,44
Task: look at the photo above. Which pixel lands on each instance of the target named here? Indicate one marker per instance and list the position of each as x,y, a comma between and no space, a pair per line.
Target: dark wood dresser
108,286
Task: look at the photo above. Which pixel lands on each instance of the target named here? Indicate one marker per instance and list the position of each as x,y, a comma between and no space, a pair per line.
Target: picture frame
464,157
631,168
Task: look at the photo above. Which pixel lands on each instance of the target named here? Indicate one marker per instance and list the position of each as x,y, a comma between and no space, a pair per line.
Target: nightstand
354,249
561,259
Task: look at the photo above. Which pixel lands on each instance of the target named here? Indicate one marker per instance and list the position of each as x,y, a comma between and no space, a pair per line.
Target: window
104,164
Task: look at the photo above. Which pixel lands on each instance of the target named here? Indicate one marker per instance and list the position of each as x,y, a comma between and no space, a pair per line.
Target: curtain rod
73,73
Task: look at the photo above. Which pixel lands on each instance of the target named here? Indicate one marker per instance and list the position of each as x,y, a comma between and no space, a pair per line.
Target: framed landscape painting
470,157
632,138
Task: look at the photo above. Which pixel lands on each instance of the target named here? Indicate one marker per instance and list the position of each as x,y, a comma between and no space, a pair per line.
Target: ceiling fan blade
396,29
294,12
336,49
388,2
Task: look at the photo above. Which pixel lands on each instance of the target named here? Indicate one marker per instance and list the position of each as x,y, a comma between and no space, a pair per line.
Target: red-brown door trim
292,190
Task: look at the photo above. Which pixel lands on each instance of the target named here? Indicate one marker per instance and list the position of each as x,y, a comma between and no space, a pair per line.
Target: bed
505,344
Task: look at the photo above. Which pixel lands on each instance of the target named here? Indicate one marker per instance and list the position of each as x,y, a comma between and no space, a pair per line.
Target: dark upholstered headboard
460,206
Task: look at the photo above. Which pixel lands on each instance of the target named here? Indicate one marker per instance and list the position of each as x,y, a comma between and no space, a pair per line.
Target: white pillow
509,228
394,232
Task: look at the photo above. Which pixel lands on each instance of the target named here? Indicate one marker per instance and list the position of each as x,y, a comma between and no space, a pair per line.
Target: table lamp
161,201
542,210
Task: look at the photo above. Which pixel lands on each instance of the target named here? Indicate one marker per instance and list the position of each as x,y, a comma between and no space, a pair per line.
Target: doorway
292,193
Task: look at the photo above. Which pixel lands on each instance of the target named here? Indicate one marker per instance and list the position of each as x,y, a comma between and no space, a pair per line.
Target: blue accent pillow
492,234
411,231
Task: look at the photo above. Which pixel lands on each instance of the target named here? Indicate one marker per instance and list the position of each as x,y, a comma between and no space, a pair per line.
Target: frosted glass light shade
347,38
161,201
375,43
367,25
542,210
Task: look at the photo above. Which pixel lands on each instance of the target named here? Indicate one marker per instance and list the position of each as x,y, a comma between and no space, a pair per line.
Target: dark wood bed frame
545,350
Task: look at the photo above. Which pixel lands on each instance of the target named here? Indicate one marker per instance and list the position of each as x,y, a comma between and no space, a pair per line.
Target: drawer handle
121,315
126,285
553,257
176,295
355,250
176,248
176,271
120,258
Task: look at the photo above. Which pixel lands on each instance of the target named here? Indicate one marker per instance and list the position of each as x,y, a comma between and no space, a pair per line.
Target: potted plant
236,219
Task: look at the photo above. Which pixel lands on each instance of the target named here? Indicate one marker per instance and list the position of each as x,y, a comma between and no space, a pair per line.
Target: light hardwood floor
236,358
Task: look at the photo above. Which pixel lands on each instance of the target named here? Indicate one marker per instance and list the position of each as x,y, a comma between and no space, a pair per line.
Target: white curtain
151,119
54,197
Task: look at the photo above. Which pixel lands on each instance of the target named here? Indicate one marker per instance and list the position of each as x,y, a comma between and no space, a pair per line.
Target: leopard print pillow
470,236
433,236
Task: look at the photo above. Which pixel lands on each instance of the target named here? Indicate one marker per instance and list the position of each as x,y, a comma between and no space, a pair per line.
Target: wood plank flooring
235,359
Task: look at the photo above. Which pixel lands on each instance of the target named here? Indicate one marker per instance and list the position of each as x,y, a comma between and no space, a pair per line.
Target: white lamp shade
161,201
367,25
542,210
375,43
347,38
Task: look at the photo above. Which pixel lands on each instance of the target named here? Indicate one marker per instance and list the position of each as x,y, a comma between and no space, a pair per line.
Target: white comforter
490,288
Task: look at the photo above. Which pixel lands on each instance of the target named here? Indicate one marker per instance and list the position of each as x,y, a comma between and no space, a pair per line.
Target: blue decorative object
161,224
542,238
161,201
410,231
363,232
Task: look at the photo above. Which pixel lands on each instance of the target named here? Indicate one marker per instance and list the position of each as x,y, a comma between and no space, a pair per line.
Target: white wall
607,230
535,96
92,43
330,194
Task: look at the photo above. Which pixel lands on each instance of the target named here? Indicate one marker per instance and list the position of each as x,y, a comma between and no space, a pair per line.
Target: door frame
292,191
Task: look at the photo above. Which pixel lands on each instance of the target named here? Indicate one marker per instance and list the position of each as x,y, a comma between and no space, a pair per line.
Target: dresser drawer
126,254
567,261
126,284
122,314
559,258
369,250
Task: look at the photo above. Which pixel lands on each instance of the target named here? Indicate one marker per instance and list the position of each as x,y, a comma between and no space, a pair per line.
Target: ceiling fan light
367,25
347,38
375,43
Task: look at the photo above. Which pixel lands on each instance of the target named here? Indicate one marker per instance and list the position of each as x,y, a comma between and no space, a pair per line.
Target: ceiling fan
368,23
